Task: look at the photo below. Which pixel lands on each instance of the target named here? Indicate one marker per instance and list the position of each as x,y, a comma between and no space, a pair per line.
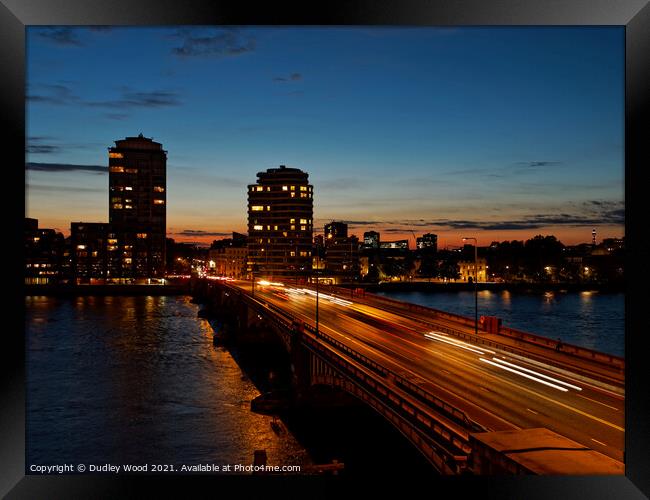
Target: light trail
431,337
559,388
539,374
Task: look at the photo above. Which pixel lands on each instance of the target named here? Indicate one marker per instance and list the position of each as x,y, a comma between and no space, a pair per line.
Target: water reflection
136,379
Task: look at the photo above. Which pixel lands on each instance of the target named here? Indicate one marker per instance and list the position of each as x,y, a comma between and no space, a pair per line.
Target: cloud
293,77
35,146
200,232
66,37
361,222
65,167
116,116
131,99
536,164
57,94
66,189
198,42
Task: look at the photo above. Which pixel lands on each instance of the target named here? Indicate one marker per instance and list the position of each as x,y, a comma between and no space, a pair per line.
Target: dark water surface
588,319
137,380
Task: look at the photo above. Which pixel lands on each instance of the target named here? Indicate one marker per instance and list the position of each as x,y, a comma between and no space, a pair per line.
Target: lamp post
317,280
475,284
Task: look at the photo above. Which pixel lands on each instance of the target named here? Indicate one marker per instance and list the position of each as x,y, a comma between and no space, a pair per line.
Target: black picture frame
633,14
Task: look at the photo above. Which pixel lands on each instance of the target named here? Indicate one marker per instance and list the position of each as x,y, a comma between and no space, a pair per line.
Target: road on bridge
495,388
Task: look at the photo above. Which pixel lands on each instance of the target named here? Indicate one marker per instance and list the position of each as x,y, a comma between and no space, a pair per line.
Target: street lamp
475,283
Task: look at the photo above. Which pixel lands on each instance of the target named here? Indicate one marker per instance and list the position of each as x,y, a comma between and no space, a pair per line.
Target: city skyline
391,125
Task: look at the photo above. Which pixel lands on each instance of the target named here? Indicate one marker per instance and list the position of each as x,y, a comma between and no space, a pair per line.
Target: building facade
428,241
46,255
468,270
280,223
89,252
137,207
371,239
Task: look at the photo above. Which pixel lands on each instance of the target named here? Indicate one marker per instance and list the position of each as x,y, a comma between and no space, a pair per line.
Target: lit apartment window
284,233
94,253
257,208
293,195
112,248
303,221
275,228
293,254
158,202
127,260
112,241
303,188
81,247
128,188
131,170
115,155
117,206
268,207
293,227
302,228
116,169
293,188
258,227
304,254
285,188
260,188
128,206
303,195
292,221
128,201
142,236
116,199
159,189
268,228
268,188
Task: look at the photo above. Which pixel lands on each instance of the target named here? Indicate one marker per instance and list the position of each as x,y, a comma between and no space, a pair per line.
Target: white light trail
457,342
431,337
539,374
559,388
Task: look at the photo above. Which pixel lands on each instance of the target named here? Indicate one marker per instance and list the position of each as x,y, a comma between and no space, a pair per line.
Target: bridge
502,401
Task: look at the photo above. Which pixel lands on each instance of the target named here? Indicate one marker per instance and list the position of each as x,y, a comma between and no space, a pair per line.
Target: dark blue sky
498,133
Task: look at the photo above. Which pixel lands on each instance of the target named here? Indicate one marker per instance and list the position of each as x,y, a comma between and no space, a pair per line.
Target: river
588,319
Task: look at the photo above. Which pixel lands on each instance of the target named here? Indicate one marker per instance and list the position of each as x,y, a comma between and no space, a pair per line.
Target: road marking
539,374
532,411
599,442
559,388
585,397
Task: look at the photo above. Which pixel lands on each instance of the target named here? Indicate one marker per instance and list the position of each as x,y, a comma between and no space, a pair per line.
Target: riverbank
425,286
106,290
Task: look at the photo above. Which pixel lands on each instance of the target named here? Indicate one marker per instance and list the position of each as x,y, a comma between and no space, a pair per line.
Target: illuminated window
142,235
293,227
112,241
292,221
128,206
268,188
302,228
303,188
94,254
257,208
158,202
268,207
284,233
260,188
293,188
115,155
285,188
81,247
115,169
159,189
128,188
258,227
127,260
111,248
116,199
268,228
293,254
275,228
128,200
304,254
293,195
303,195
131,170
117,206
303,221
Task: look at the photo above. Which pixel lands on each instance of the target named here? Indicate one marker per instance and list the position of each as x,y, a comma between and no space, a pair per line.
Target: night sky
494,133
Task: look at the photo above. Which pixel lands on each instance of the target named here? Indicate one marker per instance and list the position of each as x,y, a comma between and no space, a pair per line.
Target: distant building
229,257
427,241
371,239
137,175
90,251
342,257
395,245
46,254
335,230
467,271
280,223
